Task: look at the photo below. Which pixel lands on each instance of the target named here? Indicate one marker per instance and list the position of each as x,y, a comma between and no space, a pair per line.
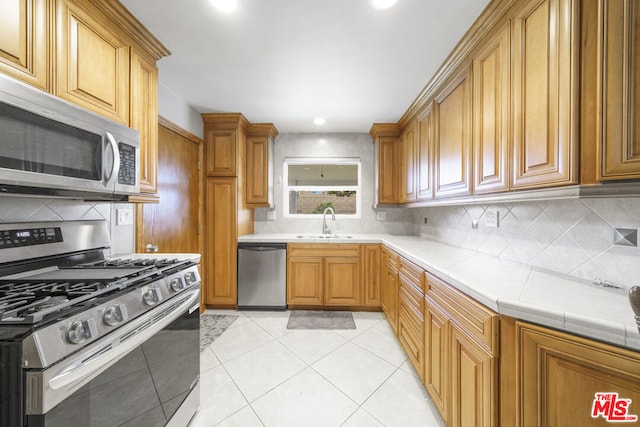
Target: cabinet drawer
323,250
411,295
472,317
393,260
413,319
412,273
412,343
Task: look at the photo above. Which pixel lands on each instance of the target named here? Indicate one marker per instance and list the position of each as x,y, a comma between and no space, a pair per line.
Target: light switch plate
492,218
381,216
271,215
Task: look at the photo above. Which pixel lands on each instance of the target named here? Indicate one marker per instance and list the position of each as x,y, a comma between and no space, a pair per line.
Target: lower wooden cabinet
559,376
389,286
220,260
305,283
436,356
324,275
461,356
371,275
411,313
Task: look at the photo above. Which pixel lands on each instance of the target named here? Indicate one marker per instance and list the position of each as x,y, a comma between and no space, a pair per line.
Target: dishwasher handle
262,247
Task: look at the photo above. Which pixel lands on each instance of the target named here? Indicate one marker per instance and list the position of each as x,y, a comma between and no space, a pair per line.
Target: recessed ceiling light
319,121
382,4
225,5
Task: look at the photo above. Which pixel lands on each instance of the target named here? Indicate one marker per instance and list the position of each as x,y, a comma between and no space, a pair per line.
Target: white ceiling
289,61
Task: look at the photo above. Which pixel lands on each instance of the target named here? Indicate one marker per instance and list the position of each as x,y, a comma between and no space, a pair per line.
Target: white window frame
318,161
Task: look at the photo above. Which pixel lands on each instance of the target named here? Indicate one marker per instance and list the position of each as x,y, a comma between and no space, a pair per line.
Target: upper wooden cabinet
144,118
24,50
408,159
259,172
452,138
221,151
491,114
611,90
425,154
387,152
545,46
93,53
92,62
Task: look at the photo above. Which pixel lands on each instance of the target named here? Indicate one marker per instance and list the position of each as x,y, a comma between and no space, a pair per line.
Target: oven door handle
87,369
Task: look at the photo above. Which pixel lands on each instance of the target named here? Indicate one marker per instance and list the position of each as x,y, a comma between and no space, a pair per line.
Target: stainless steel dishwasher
262,276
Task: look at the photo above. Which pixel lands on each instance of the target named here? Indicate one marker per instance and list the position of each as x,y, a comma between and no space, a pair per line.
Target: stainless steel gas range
87,340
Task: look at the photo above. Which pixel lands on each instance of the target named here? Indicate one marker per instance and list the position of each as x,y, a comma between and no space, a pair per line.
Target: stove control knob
176,284
190,278
80,331
151,297
115,314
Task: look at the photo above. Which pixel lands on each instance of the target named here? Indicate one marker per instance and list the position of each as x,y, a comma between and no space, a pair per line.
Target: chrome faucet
325,229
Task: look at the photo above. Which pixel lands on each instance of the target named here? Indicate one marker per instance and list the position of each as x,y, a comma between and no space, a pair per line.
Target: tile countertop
553,300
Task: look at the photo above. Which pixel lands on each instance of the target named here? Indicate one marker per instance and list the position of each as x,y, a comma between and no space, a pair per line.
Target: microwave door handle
111,175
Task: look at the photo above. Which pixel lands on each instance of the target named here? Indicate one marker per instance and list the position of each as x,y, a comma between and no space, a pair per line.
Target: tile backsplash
317,145
39,209
573,237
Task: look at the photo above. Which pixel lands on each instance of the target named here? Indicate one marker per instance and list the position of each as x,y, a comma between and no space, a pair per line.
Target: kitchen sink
324,236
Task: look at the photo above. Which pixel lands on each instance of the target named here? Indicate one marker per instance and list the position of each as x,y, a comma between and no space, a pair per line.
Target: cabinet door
559,376
304,281
619,140
24,50
544,94
144,118
221,152
342,281
257,185
491,111
425,154
220,264
92,63
452,142
388,162
371,275
390,290
436,356
474,379
408,165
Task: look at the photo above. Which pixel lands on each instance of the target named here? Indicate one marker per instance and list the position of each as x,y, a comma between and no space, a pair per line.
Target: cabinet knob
151,248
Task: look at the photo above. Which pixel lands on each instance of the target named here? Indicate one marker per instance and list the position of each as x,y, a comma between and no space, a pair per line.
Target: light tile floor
259,373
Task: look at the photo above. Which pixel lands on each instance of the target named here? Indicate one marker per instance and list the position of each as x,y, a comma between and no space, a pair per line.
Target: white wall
173,108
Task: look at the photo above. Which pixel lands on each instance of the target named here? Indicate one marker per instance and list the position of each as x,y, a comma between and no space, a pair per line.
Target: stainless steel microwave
51,147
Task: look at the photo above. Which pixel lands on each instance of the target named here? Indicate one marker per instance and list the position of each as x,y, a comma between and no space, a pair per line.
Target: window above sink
313,184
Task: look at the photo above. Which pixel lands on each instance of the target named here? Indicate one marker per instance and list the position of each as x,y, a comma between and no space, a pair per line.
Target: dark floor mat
311,319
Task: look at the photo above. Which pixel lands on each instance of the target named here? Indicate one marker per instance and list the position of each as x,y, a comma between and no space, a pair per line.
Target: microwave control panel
127,174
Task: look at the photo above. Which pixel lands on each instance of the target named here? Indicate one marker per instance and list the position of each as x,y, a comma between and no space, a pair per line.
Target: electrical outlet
426,220
381,216
492,218
271,215
124,216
